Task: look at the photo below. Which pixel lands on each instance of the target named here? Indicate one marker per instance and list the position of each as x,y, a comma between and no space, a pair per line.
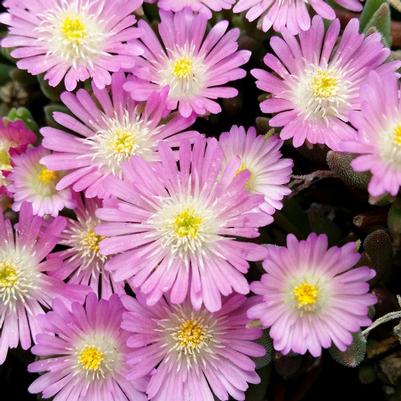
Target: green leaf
292,219
267,343
52,93
381,22
49,110
257,392
5,70
25,115
354,354
371,6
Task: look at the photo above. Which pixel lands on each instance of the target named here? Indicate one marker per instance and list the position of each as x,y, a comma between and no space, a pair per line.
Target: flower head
204,6
87,348
106,134
261,156
26,289
31,181
72,39
191,65
311,296
315,83
379,134
291,15
192,352
175,227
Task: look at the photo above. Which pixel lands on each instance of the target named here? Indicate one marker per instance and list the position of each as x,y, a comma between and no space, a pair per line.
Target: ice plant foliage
175,227
291,15
261,156
315,84
311,296
196,353
72,39
192,64
85,347
105,132
26,290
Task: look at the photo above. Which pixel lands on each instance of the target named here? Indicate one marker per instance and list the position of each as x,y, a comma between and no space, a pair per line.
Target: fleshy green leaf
25,115
371,6
354,354
381,22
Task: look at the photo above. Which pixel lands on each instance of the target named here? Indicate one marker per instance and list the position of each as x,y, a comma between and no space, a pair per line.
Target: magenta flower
311,297
26,289
193,66
190,353
175,227
14,139
31,181
315,84
106,134
84,354
83,262
72,40
261,155
204,6
291,15
379,134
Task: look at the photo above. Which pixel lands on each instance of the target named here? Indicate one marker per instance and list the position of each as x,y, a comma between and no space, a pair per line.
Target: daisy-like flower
291,15
107,131
72,39
26,289
204,6
379,134
193,66
316,81
262,157
31,181
83,353
311,296
192,353
83,262
175,227
14,138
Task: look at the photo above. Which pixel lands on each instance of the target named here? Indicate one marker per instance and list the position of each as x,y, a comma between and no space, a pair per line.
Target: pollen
91,358
183,68
123,143
47,176
8,275
91,241
73,30
397,135
249,184
306,296
187,224
324,85
190,336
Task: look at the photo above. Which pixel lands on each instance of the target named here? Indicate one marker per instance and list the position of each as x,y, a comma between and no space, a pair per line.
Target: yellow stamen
73,29
187,223
47,176
306,295
91,358
8,275
190,335
123,143
91,241
250,182
397,135
324,85
183,68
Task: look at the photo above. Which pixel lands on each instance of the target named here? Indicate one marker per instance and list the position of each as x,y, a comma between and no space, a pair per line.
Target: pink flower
176,228
26,289
193,66
14,138
190,353
379,134
107,133
72,40
262,157
291,15
31,181
84,354
83,262
204,6
311,297
315,83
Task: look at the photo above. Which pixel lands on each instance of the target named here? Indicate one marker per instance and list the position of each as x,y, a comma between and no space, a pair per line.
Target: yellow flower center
397,135
123,142
8,275
190,335
47,176
250,182
4,158
91,241
306,295
183,68
73,30
324,85
187,224
91,358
